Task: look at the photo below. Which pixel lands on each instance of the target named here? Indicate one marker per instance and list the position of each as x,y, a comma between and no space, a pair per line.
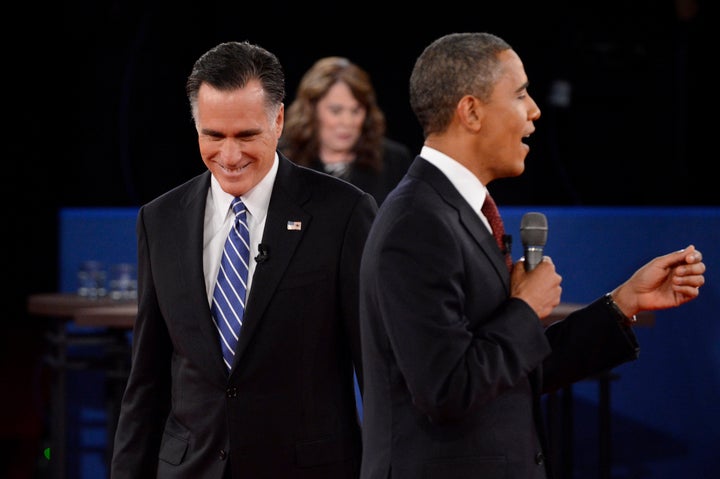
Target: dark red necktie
490,210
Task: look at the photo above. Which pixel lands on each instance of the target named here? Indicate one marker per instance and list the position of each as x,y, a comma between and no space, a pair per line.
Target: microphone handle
533,256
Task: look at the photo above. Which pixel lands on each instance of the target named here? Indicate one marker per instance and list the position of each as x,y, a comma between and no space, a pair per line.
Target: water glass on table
123,281
91,278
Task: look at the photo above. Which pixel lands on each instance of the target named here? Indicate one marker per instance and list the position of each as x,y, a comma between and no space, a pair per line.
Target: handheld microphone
533,233
263,253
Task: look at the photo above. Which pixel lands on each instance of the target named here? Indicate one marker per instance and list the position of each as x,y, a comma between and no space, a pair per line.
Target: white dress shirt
219,219
467,184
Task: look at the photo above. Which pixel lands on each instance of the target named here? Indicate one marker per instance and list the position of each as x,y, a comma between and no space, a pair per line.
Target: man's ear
470,111
280,120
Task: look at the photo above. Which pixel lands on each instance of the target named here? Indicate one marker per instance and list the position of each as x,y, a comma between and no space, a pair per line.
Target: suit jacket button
539,458
223,454
231,392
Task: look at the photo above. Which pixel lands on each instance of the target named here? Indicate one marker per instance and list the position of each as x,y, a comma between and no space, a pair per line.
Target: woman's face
340,118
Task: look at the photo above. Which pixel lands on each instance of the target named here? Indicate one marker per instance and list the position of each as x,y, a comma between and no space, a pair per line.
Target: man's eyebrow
210,132
522,87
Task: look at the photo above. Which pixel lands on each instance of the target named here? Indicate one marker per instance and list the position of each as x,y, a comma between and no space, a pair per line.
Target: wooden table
83,311
103,322
111,313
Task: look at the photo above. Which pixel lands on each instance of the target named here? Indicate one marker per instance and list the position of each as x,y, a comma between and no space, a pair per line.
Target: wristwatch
621,317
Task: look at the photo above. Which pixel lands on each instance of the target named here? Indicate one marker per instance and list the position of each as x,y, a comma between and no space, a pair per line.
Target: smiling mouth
236,169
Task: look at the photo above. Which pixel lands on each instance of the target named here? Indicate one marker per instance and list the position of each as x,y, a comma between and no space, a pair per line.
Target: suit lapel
285,226
189,218
469,219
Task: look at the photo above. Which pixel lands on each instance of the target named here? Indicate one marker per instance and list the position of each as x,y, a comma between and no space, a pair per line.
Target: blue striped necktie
228,303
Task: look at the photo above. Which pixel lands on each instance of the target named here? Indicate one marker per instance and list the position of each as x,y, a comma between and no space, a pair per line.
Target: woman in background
335,125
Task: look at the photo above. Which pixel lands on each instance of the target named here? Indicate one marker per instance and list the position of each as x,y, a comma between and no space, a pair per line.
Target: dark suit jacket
288,407
454,369
396,161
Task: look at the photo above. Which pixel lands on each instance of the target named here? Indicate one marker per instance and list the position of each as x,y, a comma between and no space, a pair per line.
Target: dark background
98,114
630,134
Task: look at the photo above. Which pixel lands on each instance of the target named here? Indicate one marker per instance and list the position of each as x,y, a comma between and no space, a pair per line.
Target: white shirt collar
219,218
256,200
467,184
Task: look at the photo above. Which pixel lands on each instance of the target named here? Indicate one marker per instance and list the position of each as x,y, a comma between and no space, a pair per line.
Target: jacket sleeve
146,401
589,341
355,236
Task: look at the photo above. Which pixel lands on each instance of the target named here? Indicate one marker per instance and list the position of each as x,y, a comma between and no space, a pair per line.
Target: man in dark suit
456,349
285,405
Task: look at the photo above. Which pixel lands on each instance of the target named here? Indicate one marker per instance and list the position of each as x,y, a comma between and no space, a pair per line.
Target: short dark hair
231,65
451,67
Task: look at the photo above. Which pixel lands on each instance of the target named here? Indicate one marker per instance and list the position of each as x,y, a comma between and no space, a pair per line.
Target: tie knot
489,207
238,206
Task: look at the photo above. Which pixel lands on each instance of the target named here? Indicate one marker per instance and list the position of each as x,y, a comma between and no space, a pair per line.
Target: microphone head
533,229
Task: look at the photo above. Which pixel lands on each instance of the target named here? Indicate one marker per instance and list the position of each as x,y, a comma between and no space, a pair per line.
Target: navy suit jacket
454,369
288,408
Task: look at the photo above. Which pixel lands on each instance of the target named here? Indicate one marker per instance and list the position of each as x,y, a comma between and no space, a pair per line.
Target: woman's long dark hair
300,142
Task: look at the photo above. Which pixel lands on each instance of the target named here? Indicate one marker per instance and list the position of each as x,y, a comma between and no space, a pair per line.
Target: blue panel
106,235
101,234
664,405
595,249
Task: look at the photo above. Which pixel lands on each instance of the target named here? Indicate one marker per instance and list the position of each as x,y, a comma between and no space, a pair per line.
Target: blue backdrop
665,413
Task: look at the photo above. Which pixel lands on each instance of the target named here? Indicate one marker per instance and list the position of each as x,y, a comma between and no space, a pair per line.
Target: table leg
605,416
568,432
58,362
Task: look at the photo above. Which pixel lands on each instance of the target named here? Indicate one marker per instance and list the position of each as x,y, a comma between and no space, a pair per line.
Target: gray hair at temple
451,67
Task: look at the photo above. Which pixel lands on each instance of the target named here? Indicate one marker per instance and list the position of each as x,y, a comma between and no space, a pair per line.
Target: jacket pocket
172,449
485,467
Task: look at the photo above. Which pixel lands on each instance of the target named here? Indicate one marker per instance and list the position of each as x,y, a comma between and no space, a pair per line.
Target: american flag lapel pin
294,225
